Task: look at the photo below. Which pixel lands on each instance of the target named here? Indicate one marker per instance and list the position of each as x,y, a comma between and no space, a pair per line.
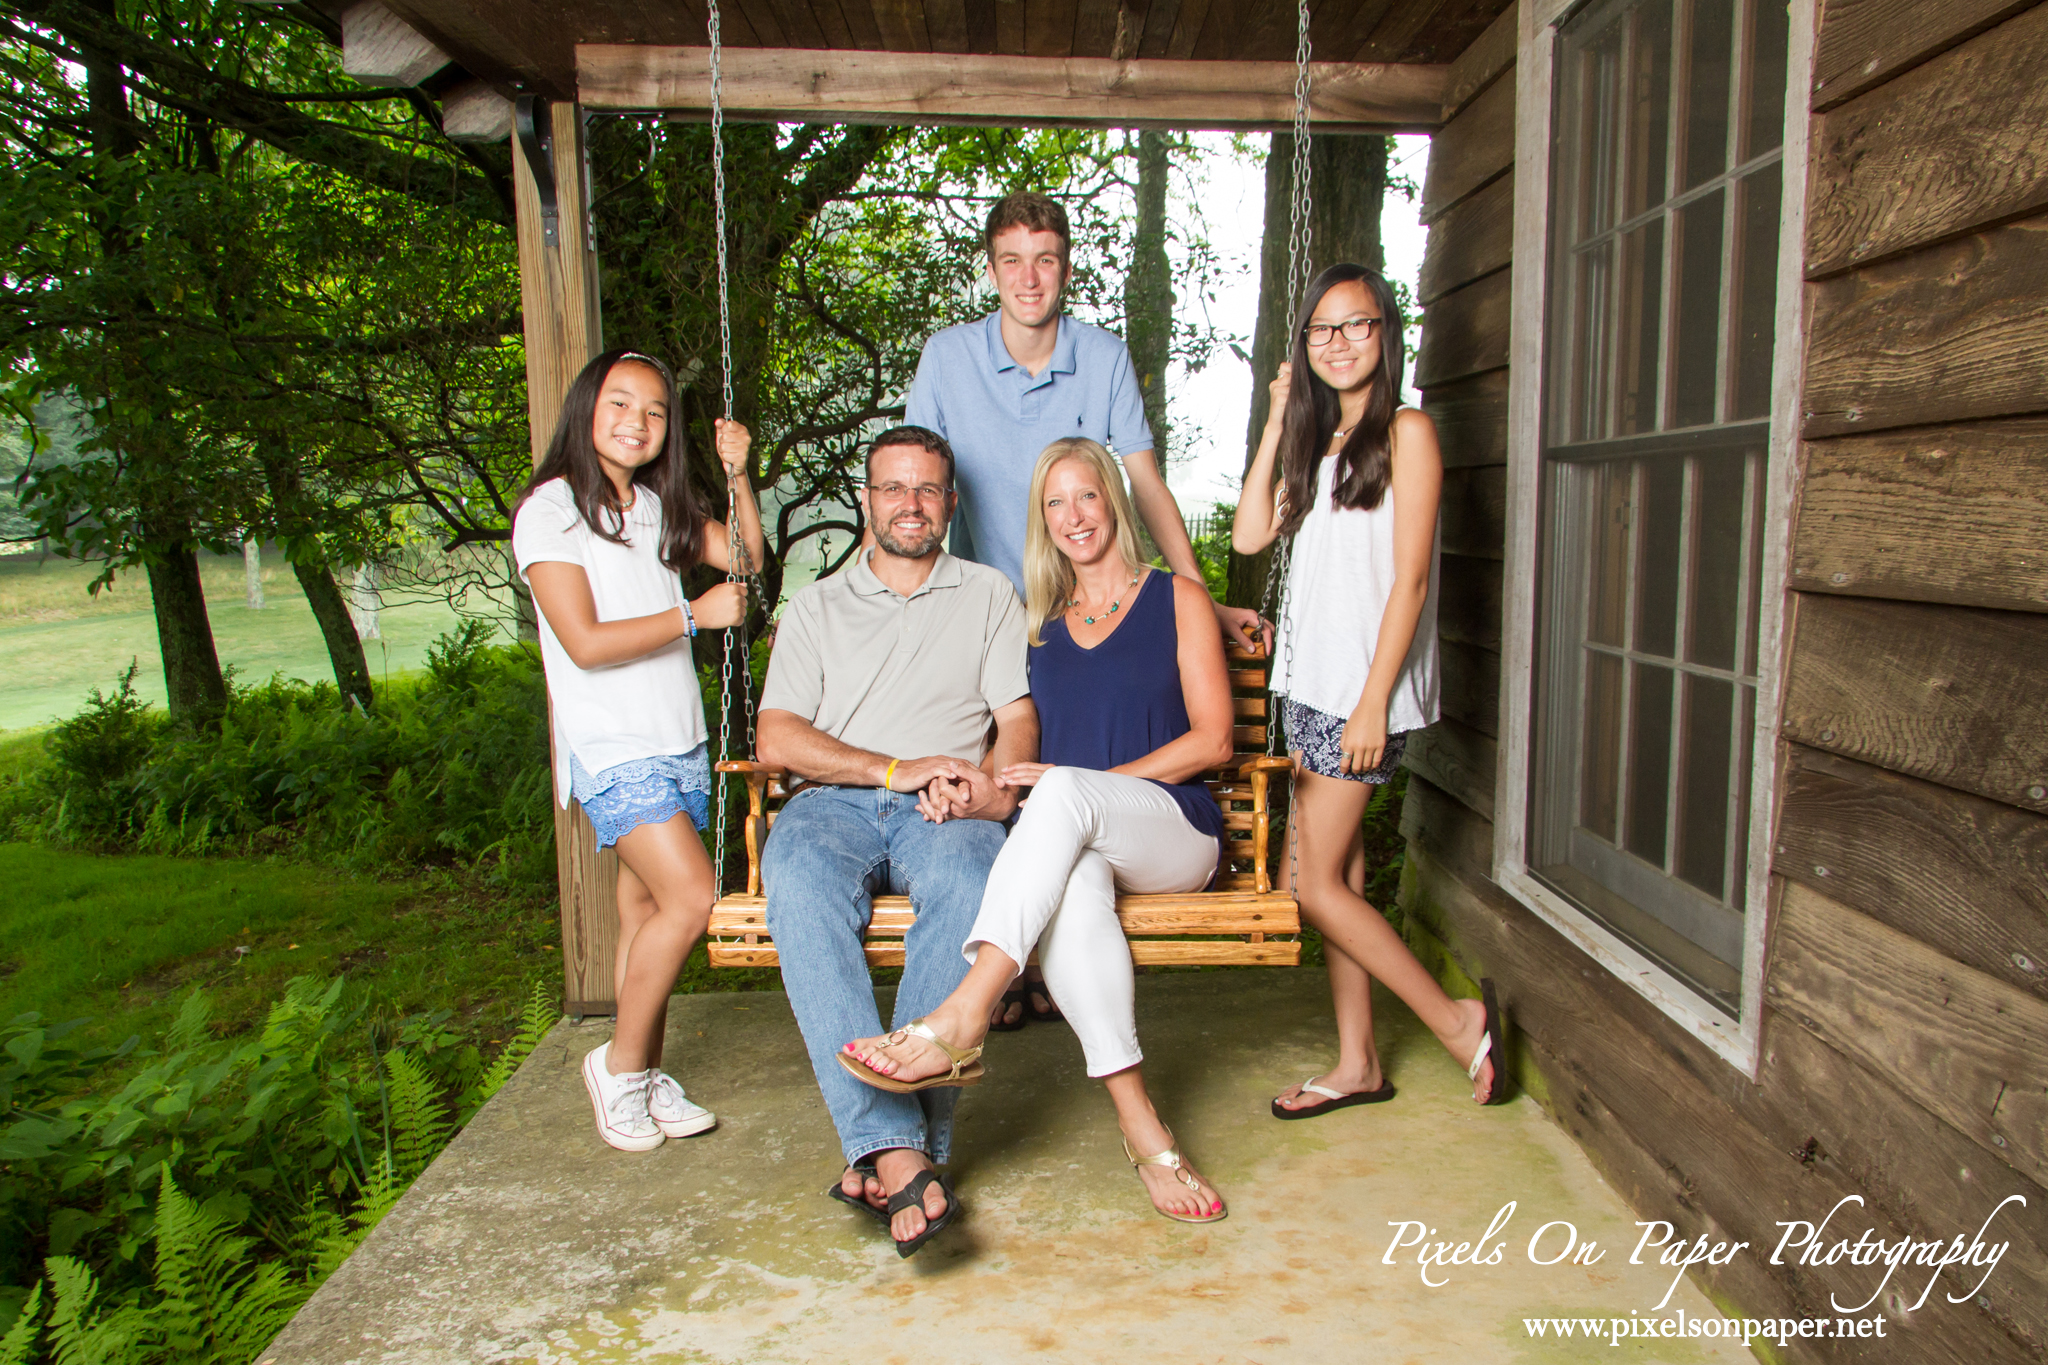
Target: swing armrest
741,765
758,776
1259,771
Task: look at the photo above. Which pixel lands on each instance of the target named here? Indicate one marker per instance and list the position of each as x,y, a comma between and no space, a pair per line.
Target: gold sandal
966,1063
1173,1161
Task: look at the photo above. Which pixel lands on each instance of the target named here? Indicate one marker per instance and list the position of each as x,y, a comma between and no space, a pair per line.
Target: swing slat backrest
1242,922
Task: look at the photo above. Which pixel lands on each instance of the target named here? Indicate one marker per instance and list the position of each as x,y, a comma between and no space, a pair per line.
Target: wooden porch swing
1242,920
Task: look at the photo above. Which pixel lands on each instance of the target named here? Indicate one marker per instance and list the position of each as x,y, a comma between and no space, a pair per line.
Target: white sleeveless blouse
1337,589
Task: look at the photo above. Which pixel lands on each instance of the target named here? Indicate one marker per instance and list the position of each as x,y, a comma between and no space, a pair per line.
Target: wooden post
558,292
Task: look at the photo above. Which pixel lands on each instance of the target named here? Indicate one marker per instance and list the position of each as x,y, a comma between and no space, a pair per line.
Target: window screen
1663,286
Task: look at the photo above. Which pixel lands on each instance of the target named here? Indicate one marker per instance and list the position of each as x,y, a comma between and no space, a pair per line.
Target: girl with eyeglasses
1355,478
603,535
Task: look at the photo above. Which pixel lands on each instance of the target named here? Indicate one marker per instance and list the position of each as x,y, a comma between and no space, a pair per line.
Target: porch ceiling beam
817,86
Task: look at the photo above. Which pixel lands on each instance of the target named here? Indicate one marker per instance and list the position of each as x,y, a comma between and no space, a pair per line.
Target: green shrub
182,1210
448,770
451,770
85,792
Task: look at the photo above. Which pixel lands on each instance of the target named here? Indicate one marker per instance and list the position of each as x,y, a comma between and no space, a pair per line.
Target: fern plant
214,1305
186,1215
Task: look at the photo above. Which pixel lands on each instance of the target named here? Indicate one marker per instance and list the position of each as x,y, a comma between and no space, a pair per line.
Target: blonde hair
1048,574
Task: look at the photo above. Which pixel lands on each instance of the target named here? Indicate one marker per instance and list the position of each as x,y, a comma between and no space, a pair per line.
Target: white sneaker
671,1109
621,1104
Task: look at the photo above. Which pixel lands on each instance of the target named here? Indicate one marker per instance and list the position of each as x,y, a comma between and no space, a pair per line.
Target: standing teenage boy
1002,389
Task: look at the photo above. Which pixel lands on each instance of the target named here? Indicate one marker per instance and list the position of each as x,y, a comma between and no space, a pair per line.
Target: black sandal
1014,996
837,1190
912,1196
1051,1013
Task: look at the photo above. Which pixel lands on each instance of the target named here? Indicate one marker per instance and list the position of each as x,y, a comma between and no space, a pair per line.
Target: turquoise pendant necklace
1091,620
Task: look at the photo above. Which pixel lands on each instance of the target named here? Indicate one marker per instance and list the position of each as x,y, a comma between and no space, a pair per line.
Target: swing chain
1281,560
1279,565
740,566
1298,209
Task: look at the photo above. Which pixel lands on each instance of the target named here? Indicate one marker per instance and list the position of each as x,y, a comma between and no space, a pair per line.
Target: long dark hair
573,457
1366,459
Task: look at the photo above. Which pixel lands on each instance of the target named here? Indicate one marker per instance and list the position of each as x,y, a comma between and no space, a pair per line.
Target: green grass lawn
59,642
123,939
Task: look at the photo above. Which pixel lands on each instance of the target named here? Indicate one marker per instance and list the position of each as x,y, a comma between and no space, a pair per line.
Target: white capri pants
1083,835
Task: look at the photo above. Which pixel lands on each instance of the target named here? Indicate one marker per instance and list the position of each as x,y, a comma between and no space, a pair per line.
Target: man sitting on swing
885,678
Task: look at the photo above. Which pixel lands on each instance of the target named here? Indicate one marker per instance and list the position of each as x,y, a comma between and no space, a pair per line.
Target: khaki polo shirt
905,676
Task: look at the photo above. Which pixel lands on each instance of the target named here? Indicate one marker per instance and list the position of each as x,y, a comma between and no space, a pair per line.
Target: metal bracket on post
534,129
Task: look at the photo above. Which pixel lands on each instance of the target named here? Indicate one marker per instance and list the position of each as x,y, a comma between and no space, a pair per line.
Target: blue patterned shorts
647,791
1318,736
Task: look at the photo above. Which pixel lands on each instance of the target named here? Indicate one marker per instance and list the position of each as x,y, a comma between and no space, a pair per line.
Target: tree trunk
1348,186
1148,289
252,570
192,675
365,604
344,649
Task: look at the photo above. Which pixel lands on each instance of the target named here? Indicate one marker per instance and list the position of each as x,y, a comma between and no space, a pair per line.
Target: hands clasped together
954,789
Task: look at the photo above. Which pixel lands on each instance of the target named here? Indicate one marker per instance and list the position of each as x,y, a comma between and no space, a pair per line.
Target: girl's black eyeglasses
1354,329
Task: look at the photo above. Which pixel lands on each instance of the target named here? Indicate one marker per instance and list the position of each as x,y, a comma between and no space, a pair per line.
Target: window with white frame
1665,202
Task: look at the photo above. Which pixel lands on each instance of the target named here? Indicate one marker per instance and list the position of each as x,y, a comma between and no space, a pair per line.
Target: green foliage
88,783
1210,537
453,771
183,1214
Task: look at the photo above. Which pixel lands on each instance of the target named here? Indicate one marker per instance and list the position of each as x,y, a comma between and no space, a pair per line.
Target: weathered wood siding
1468,204
1906,984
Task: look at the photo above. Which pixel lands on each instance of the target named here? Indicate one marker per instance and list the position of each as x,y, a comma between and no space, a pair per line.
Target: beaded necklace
1075,601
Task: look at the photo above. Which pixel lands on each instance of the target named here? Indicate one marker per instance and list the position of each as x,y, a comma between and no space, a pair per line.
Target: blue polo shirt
998,417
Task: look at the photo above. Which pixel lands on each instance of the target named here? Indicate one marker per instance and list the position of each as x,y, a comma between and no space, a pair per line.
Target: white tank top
1337,589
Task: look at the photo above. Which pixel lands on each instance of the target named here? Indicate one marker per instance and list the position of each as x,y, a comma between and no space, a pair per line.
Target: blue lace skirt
646,791
1318,736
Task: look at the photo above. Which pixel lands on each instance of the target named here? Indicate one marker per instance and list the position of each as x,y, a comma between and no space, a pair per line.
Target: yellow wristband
889,774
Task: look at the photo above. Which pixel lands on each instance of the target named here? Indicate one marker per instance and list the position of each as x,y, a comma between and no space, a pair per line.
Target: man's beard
909,549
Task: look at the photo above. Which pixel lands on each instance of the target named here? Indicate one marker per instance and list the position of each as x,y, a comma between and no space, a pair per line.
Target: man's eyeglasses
1354,329
896,492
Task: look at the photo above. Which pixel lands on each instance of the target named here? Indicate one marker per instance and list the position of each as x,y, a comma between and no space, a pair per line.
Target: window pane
1642,315
1704,143
1600,779
1756,296
1596,147
1592,282
1658,517
1704,783
1717,560
1649,110
1693,376
1607,612
1764,126
1649,762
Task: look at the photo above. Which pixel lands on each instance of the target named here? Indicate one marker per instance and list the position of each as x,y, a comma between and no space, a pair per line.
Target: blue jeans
832,851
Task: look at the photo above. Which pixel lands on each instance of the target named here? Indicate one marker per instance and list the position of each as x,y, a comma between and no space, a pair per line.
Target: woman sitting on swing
1133,698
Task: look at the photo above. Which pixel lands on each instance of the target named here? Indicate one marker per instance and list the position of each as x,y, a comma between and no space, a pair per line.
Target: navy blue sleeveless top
1117,702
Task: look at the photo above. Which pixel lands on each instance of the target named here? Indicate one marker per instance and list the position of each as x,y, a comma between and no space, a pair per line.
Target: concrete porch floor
529,1240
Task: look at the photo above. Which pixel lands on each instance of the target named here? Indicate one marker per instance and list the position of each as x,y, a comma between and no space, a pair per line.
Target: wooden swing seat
1242,922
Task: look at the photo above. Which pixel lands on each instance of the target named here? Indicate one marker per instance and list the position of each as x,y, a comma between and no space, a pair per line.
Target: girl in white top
603,536
1356,658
